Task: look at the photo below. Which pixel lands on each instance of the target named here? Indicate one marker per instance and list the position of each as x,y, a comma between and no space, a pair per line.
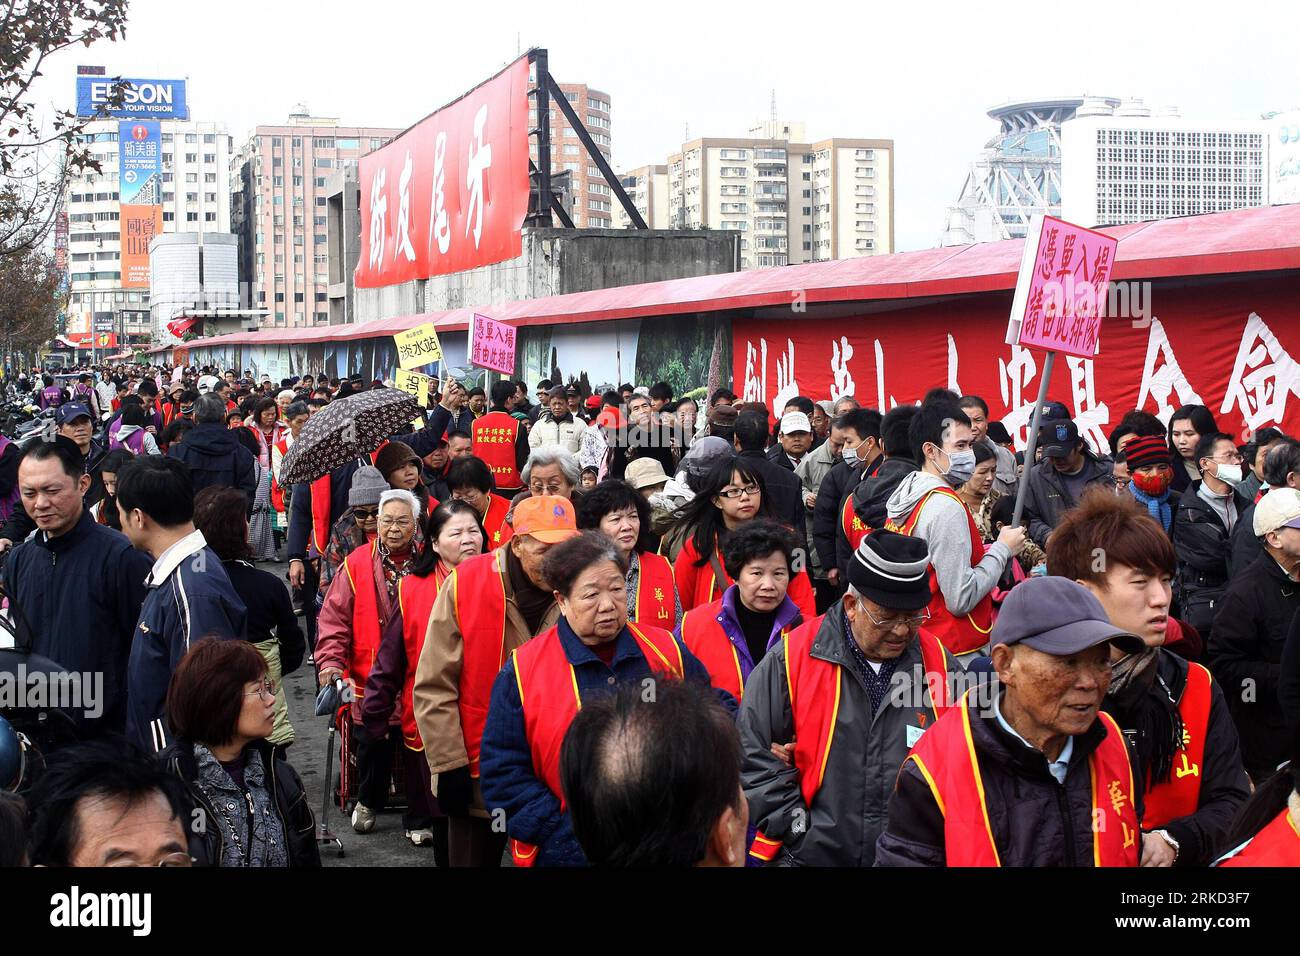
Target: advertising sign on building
144,99
450,193
139,148
139,224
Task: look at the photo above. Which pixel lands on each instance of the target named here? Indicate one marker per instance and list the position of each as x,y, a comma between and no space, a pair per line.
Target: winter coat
1246,548
215,456
848,813
279,793
870,502
1035,821
1201,541
76,600
300,513
827,526
1047,500
189,598
547,431
1223,782
1245,654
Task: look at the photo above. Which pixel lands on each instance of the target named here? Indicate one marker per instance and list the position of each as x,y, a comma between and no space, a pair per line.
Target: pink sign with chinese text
492,345
1062,289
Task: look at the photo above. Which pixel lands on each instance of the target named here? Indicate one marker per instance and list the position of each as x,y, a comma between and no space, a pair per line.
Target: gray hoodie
946,529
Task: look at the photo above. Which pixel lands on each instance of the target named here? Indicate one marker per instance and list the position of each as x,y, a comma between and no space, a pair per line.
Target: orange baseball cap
547,518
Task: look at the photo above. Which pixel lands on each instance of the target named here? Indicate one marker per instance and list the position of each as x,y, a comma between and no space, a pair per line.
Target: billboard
450,193
139,225
143,99
139,148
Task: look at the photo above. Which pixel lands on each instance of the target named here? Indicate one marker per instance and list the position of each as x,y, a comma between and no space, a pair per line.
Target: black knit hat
890,569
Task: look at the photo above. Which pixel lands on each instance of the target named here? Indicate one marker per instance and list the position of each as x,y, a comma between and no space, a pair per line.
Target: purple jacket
787,615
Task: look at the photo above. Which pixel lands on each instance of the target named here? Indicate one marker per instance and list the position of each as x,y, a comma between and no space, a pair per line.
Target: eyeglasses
267,689
893,623
364,514
551,488
170,860
1232,458
388,521
749,490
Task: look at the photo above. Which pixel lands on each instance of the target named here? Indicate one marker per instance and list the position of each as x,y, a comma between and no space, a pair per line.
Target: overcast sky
923,73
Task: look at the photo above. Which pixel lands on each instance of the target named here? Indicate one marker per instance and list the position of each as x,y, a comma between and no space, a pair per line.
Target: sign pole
1032,445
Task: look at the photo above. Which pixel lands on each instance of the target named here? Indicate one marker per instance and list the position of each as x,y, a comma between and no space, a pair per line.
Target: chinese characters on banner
139,147
417,347
492,345
1062,287
450,193
414,384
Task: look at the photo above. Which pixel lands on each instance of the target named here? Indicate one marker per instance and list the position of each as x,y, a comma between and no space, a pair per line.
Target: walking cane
324,836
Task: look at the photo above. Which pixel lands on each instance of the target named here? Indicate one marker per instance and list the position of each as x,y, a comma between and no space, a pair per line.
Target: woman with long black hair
1186,426
733,495
1267,830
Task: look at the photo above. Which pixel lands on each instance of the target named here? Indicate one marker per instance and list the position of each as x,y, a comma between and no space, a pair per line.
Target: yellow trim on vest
519,681
929,779
979,780
1111,728
680,671
789,684
830,737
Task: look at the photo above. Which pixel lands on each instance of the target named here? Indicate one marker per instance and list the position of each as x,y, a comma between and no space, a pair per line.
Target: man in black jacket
1250,631
1208,513
212,453
76,587
874,490
861,457
780,484
1057,482
1281,470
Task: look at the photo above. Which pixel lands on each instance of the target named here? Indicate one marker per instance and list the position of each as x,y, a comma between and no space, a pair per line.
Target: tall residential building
279,211
647,187
194,192
792,200
592,197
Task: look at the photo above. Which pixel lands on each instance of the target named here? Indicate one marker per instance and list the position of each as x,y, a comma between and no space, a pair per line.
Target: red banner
1233,347
450,193
139,224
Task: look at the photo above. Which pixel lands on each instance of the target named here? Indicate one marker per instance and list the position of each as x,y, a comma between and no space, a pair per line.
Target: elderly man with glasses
830,713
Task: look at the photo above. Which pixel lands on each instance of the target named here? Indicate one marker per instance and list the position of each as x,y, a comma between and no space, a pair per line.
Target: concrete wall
558,261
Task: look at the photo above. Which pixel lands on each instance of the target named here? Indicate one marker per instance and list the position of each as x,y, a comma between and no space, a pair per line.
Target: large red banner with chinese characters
1232,346
450,193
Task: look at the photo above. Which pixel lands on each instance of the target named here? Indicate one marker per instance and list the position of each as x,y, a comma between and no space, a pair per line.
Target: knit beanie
1145,450
367,485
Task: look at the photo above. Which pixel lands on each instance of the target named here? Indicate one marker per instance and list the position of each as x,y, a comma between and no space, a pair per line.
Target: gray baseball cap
1058,616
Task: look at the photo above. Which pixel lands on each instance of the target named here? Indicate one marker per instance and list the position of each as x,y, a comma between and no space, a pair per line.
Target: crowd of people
638,628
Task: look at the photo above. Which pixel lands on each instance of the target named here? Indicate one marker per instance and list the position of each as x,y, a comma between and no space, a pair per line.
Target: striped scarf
1158,508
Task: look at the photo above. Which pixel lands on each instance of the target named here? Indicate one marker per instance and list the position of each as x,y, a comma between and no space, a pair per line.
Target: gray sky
923,74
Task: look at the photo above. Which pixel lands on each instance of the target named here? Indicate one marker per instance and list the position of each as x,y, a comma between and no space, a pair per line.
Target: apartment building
593,200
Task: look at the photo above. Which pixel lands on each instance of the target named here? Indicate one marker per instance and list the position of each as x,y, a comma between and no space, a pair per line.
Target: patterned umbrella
346,429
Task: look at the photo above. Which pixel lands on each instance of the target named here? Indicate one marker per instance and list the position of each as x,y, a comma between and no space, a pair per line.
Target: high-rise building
791,200
279,211
647,187
194,192
592,198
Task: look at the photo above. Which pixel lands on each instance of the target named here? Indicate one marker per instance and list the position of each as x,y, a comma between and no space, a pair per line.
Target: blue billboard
139,147
143,99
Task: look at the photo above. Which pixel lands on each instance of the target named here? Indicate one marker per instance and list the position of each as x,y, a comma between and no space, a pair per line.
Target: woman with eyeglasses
221,514
359,607
250,808
470,481
453,533
622,514
731,496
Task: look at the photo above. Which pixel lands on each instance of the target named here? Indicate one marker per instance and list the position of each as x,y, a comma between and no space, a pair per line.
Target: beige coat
436,692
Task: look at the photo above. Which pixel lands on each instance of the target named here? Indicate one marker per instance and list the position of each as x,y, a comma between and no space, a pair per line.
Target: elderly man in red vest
853,690
1027,771
490,605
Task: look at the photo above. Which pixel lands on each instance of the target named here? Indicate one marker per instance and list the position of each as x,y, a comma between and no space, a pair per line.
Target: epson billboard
142,99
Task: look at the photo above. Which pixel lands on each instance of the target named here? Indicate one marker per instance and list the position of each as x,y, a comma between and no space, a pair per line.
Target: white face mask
849,456
1229,474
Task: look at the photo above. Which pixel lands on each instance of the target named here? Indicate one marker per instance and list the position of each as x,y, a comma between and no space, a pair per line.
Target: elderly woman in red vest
618,511
453,533
359,606
539,690
731,634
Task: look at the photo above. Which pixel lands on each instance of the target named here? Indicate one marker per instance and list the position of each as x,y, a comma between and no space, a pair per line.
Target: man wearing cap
794,439
853,690
1058,482
1250,632
1033,774
490,605
558,426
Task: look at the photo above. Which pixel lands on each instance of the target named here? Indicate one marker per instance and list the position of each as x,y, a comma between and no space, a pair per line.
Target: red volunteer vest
946,758
494,522
277,492
1278,844
814,686
366,633
548,692
696,586
321,491
970,631
480,594
415,598
494,436
655,589
706,639
854,528
1180,795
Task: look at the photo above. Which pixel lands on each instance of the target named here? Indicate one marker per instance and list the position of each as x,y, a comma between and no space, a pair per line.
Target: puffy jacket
215,456
1201,541
547,431
1047,500
1035,820
286,794
870,501
1245,655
